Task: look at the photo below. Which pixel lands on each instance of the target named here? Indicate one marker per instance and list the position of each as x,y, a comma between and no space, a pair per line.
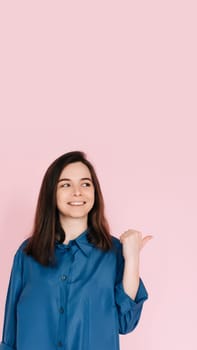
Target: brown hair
47,226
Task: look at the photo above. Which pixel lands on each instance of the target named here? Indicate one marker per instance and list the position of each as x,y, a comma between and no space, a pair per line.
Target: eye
86,183
65,185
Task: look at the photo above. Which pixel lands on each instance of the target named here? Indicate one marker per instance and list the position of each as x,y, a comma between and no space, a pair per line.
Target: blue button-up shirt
79,304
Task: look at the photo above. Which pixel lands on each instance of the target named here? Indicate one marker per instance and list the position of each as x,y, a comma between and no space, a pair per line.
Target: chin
74,215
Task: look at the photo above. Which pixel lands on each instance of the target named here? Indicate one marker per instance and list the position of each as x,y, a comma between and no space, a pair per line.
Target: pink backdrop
116,79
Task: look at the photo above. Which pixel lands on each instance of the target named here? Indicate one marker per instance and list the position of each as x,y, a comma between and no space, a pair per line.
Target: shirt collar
81,241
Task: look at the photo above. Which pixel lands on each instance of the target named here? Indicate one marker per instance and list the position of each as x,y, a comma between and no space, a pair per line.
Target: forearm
131,277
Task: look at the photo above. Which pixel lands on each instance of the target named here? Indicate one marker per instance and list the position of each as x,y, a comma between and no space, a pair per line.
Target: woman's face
75,191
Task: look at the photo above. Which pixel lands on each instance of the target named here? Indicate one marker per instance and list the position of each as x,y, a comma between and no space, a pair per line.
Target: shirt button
63,277
59,343
61,310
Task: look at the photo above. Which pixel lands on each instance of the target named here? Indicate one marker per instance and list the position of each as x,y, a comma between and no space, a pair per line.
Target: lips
76,203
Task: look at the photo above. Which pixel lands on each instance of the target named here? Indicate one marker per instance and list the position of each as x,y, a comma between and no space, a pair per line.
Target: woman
73,285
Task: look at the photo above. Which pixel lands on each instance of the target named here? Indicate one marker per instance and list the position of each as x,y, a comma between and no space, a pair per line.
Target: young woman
73,285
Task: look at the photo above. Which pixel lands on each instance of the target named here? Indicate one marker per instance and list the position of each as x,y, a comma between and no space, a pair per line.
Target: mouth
76,203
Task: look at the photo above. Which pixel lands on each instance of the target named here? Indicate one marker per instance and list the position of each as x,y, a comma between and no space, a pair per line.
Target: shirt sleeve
14,288
128,309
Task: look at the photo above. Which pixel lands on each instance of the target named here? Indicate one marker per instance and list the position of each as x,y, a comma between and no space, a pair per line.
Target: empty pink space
117,80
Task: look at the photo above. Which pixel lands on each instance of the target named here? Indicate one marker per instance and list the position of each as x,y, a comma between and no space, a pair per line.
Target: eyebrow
83,178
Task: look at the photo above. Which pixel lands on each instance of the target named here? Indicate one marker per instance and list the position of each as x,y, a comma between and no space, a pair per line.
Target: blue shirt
78,305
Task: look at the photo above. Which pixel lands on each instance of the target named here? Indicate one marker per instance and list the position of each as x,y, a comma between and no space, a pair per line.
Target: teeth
76,203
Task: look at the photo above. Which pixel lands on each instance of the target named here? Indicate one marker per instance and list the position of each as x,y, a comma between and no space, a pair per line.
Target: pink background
118,80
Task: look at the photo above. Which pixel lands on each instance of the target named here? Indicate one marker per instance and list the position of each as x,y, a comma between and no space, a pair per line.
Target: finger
149,236
146,239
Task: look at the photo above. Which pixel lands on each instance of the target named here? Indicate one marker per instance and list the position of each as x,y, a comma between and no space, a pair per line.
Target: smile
76,203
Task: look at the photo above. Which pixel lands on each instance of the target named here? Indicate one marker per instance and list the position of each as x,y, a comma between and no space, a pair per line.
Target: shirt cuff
3,346
125,302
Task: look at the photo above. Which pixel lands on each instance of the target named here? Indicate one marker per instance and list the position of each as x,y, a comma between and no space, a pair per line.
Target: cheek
92,195
89,195
61,195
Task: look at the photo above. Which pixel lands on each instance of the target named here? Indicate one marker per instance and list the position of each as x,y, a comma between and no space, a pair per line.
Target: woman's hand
133,242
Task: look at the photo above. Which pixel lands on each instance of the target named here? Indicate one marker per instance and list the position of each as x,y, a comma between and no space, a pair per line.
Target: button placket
64,278
61,310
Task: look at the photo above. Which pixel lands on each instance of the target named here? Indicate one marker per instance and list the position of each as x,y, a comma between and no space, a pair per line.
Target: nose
76,191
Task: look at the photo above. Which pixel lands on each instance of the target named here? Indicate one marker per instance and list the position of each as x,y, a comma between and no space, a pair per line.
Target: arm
14,288
131,278
130,294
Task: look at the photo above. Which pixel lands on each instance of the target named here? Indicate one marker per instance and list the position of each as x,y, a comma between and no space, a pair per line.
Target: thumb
146,239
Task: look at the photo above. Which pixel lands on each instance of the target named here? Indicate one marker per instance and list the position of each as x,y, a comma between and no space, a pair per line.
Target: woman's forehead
76,170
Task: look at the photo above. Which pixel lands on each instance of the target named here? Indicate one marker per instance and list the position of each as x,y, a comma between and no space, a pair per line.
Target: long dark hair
47,228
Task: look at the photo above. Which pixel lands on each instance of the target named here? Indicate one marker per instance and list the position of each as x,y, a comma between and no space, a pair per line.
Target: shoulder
119,250
116,242
18,257
22,245
117,245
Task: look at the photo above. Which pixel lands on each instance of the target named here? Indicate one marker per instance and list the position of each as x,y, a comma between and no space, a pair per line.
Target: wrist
132,259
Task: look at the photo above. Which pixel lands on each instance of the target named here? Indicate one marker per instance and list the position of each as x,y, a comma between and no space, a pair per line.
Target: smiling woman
65,181
66,283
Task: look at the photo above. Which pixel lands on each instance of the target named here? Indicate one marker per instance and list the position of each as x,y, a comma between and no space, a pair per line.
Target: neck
73,227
